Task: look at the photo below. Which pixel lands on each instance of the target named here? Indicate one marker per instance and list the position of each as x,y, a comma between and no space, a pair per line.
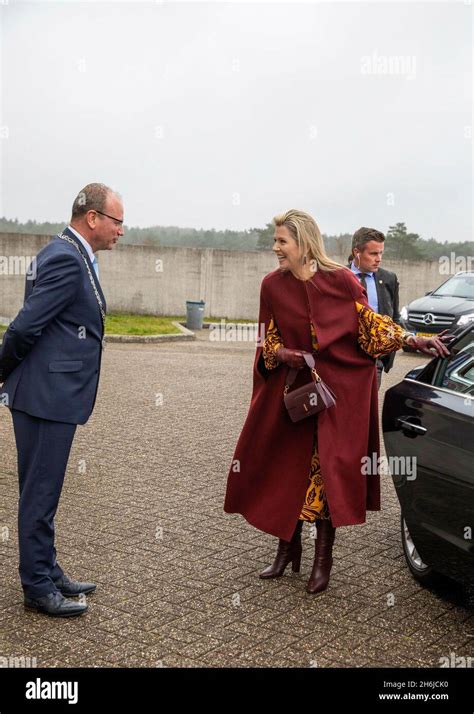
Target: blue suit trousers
43,451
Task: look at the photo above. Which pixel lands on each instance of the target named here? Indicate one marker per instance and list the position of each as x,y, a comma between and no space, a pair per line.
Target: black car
448,307
428,421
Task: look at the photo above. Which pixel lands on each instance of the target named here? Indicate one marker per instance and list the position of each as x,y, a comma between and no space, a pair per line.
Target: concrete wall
146,280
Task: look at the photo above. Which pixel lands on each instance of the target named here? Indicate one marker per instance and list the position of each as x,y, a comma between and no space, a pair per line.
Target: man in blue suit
50,362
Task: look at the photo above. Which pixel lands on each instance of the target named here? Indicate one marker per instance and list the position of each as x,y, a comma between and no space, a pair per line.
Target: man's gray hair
91,198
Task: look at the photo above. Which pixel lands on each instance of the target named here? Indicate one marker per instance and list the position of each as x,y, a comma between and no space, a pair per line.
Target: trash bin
194,314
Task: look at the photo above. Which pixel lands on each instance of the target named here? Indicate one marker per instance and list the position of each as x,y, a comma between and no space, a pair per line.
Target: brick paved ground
141,514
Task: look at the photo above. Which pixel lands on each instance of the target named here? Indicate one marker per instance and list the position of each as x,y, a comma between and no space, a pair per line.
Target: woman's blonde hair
306,233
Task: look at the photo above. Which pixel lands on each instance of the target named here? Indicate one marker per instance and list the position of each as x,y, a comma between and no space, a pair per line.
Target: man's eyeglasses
116,220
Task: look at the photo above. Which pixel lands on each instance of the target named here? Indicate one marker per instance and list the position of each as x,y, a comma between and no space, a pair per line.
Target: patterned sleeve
271,343
378,334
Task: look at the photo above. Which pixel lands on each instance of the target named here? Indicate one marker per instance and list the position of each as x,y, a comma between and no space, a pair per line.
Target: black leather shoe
71,588
55,605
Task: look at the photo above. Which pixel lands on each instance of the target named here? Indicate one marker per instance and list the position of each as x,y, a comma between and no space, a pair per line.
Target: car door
429,418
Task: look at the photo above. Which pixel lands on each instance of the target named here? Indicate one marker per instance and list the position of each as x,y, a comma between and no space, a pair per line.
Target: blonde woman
285,473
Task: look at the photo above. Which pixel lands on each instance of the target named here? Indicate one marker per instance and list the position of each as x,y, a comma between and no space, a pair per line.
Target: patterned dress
378,335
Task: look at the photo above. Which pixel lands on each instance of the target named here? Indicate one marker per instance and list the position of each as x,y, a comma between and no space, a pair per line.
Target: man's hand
428,344
293,358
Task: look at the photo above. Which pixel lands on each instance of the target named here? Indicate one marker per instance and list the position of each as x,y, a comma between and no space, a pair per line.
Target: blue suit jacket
51,353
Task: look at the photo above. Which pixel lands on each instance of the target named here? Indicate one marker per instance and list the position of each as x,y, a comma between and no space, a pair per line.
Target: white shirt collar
86,245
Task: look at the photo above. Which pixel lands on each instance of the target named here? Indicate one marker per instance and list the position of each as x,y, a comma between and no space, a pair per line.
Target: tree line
399,244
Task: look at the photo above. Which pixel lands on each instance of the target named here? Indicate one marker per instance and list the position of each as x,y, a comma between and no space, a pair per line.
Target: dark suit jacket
387,286
51,353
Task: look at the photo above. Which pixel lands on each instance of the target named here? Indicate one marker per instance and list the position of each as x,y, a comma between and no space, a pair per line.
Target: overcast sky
223,114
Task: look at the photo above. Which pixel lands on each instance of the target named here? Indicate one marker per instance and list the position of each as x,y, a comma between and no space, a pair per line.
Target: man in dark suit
381,285
50,363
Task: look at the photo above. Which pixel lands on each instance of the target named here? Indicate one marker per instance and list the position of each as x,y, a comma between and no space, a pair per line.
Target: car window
460,286
457,373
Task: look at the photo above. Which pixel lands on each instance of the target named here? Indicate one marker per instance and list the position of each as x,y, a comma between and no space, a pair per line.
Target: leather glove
428,344
293,358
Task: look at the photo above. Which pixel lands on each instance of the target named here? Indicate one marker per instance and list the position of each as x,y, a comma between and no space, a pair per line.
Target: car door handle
417,428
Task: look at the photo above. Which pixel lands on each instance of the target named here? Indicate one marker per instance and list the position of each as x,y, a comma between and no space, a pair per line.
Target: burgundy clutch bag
309,399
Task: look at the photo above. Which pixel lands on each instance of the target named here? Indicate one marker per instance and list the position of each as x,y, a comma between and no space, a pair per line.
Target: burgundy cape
269,474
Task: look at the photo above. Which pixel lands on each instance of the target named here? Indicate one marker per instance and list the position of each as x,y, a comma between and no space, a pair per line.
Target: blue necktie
95,265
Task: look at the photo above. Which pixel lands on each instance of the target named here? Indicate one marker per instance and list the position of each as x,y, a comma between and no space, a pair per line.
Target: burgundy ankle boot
319,578
288,552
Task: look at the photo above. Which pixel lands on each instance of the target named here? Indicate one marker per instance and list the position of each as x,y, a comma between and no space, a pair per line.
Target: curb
184,335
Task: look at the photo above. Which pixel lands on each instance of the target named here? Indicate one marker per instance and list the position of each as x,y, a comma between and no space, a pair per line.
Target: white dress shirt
86,245
89,250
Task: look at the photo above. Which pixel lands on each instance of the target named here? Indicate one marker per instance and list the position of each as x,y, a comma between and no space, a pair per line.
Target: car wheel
423,572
